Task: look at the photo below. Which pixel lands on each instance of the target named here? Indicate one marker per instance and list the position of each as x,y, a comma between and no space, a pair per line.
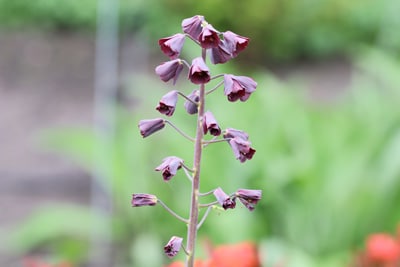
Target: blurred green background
329,168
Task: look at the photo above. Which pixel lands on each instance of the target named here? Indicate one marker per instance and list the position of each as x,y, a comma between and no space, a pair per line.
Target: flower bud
148,127
191,106
139,200
210,124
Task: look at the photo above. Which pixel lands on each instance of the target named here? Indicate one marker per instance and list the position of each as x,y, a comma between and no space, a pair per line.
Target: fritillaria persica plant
220,47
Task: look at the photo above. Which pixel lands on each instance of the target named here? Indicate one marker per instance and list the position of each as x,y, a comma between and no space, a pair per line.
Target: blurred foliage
330,173
73,15
279,29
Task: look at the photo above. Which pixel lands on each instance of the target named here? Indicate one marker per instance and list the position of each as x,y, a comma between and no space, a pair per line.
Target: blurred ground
46,81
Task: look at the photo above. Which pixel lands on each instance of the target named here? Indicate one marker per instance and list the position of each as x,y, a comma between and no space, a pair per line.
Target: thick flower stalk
221,47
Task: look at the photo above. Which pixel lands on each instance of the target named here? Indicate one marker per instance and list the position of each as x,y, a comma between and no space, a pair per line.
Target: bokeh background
76,76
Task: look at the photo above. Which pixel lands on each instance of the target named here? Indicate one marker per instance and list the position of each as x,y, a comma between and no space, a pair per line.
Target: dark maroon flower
238,87
208,37
173,246
199,73
210,124
232,133
191,106
220,54
169,167
172,45
167,103
242,149
170,70
139,200
193,26
235,43
148,127
223,199
248,197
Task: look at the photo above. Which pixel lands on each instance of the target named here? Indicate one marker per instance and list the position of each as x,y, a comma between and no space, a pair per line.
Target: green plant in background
332,172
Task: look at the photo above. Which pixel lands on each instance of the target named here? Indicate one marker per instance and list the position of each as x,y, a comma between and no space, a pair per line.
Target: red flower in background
32,262
243,254
382,248
197,263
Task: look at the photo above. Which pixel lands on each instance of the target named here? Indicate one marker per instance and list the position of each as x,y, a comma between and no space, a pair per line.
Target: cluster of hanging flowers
220,47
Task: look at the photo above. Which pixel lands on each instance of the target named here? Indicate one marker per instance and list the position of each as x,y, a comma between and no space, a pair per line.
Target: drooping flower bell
220,54
169,167
208,37
199,73
193,26
235,43
248,197
191,107
224,200
210,124
238,87
140,200
170,70
148,127
242,149
167,103
173,246
171,46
